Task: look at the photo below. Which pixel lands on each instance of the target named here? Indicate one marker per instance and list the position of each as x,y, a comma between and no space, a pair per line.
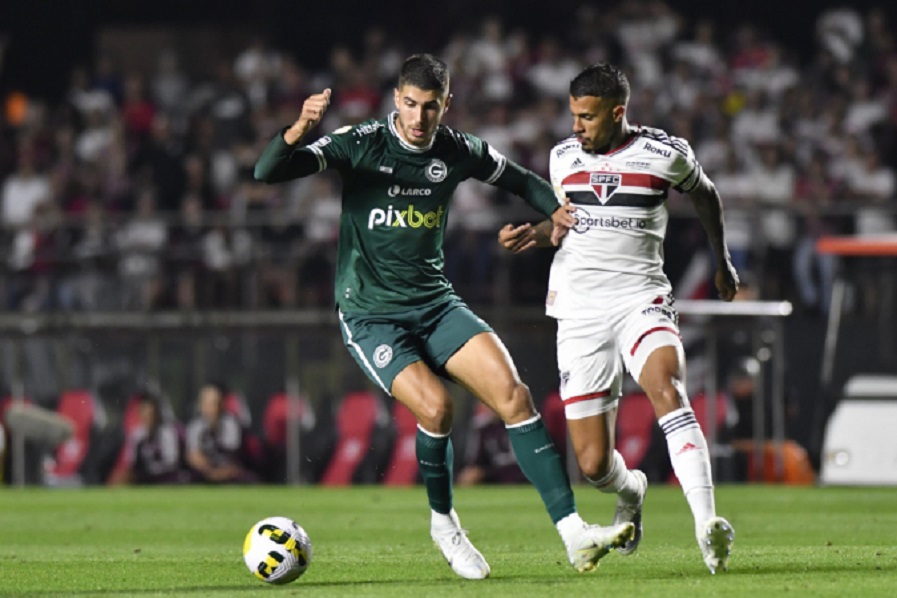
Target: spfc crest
604,184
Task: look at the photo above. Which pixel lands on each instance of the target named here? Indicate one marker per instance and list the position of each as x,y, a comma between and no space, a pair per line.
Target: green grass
374,541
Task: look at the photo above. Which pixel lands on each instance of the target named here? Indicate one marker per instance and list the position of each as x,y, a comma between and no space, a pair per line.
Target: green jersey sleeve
494,168
280,161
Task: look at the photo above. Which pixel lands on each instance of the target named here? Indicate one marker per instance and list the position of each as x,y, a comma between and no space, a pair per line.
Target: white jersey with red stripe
616,247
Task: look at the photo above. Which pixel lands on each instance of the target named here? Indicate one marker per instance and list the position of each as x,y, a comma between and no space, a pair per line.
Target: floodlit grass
374,541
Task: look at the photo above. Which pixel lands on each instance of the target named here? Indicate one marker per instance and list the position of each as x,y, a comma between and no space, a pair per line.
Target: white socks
691,461
619,480
441,522
569,527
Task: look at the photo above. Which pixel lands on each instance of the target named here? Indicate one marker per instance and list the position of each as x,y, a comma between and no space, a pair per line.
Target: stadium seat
635,426
361,415
81,409
314,444
402,468
130,419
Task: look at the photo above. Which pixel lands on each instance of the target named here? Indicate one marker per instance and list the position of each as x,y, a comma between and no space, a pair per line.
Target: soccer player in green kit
400,318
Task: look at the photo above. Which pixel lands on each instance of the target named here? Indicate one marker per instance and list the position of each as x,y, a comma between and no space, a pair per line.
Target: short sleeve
685,171
333,150
489,163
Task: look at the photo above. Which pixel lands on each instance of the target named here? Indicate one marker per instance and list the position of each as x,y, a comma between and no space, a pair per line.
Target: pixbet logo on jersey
408,218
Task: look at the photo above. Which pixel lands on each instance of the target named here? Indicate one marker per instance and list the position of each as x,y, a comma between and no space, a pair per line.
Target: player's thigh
644,325
484,367
589,366
382,346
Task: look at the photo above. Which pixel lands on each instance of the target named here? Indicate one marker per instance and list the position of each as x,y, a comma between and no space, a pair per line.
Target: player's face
420,112
596,121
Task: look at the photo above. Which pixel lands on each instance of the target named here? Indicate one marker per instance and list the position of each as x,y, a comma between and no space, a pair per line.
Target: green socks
435,457
541,464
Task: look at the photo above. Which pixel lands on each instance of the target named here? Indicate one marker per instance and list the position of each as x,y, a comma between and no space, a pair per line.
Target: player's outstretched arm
709,207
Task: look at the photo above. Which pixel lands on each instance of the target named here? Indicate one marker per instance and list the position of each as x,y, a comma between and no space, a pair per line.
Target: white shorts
593,353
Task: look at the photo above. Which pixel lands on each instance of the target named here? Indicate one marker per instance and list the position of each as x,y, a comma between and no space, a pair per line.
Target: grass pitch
374,541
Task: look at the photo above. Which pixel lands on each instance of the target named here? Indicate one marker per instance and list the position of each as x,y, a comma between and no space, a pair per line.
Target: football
277,550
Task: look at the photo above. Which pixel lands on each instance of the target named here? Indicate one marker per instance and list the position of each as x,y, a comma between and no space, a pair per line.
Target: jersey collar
391,120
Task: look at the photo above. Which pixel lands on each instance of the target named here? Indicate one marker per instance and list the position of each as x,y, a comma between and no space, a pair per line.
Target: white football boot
632,512
589,545
715,538
462,556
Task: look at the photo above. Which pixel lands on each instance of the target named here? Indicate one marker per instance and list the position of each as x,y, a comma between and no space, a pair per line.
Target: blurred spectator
185,252
279,248
23,190
36,251
319,212
552,70
90,286
814,272
256,67
872,185
154,448
160,164
773,181
840,32
140,242
169,86
226,251
137,109
214,444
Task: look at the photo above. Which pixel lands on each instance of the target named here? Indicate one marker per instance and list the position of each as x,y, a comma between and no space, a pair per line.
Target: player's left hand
726,281
517,239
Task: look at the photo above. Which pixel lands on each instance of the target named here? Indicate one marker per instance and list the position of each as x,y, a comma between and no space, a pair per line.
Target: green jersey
395,205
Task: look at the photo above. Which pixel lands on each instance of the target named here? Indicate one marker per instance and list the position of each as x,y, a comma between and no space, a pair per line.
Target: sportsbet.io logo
585,221
382,356
408,218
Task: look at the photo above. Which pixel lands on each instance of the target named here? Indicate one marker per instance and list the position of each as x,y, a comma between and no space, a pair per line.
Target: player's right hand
313,110
517,239
314,107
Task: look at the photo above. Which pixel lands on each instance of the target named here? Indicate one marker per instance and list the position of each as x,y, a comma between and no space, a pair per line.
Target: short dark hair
426,72
601,80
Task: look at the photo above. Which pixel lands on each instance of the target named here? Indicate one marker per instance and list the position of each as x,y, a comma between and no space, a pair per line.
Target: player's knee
515,404
436,416
594,462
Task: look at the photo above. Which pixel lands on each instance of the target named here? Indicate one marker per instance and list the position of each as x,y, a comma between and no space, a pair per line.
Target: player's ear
619,112
395,97
448,102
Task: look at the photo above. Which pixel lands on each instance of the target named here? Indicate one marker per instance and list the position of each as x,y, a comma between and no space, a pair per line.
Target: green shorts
385,344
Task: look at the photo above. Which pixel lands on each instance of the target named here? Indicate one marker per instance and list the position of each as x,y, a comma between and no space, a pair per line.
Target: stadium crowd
135,191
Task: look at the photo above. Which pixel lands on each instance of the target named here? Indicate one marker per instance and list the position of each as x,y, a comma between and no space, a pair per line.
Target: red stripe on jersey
653,330
588,397
627,179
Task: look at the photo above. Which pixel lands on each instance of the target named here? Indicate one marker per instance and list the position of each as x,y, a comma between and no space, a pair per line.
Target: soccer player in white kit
613,302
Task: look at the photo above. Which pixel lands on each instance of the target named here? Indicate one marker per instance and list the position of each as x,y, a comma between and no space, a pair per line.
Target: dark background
46,38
